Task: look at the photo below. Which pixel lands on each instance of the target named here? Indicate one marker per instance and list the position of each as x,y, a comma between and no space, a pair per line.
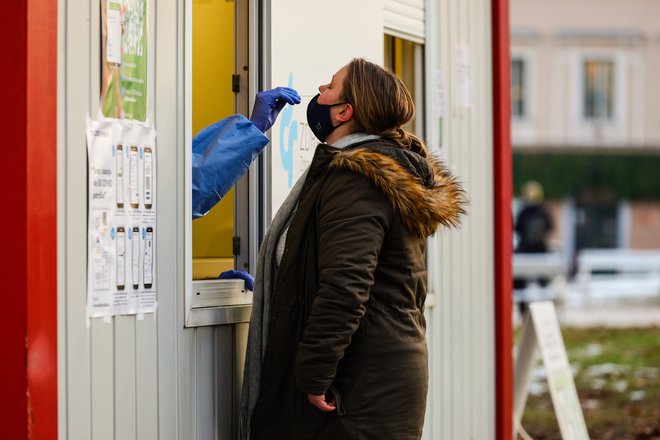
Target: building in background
585,104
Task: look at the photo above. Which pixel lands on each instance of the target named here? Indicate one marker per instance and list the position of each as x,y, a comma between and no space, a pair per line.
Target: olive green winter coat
347,310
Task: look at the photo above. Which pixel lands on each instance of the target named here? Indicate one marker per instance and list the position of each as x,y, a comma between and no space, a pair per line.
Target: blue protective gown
221,154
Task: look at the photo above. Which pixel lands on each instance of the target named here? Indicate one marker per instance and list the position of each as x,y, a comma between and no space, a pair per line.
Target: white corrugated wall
405,19
461,325
128,378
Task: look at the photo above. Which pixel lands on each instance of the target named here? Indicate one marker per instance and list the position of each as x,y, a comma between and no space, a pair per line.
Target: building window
518,88
598,80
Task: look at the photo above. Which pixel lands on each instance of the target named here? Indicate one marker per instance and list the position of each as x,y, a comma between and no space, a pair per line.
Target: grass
617,376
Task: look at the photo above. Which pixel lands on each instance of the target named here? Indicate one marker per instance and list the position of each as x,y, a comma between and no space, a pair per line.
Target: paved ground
610,316
606,315
614,302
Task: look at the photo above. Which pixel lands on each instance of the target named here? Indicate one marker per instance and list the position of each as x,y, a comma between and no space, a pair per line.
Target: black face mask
318,118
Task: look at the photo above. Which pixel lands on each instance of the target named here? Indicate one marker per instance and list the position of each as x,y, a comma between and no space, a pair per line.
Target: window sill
218,302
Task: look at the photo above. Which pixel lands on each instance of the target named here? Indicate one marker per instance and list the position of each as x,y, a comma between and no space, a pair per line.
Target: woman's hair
381,103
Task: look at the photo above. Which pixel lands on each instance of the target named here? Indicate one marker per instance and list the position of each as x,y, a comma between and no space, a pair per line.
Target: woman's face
331,92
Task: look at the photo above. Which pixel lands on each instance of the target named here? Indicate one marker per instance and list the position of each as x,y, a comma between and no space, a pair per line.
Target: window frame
612,111
215,302
524,128
418,94
519,104
528,59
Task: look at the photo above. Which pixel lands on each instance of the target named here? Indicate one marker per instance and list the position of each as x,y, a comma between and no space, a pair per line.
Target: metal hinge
236,83
237,245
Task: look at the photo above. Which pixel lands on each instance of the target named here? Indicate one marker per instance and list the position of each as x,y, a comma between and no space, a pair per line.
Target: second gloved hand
267,106
238,274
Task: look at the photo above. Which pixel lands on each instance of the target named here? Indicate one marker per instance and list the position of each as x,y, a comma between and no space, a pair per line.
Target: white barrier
549,265
621,261
621,271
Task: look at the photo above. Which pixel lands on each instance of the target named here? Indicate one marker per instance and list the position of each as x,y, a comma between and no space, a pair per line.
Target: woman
336,347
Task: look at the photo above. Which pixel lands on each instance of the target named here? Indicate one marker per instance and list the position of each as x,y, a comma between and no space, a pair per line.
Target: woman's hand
320,403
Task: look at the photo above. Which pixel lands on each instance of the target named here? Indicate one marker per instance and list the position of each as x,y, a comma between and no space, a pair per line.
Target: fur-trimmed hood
422,190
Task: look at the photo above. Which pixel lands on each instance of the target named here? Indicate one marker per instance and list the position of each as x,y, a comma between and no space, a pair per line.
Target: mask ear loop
338,125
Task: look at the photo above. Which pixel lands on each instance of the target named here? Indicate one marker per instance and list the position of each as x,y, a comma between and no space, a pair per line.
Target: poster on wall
121,227
305,64
124,59
463,77
437,131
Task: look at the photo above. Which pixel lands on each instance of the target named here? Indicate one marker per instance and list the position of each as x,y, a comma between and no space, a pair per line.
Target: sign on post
541,328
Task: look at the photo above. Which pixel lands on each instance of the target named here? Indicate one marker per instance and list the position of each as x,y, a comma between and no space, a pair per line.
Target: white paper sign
122,219
439,99
463,75
114,23
560,379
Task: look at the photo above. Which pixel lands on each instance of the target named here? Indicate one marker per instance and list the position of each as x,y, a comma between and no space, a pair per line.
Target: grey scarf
263,290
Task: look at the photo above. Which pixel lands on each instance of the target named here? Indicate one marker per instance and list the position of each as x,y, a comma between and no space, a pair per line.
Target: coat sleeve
353,219
222,153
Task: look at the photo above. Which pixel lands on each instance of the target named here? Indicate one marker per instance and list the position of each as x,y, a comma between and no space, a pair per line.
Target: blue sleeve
221,154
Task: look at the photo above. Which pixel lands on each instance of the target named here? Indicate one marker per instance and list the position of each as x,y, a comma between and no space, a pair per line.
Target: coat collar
422,190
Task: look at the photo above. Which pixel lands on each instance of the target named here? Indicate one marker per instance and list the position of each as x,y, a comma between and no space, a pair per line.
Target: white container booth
176,374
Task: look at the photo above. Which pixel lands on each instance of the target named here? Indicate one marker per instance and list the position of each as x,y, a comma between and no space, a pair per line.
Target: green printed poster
124,59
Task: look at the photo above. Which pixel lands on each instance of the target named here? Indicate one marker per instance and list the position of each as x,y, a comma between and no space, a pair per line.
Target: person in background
533,226
336,345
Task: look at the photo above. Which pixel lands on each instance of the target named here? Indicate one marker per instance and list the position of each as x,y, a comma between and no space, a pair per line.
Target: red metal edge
503,221
13,270
42,219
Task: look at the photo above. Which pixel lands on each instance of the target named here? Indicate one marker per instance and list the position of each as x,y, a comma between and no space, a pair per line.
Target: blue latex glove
238,274
267,106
